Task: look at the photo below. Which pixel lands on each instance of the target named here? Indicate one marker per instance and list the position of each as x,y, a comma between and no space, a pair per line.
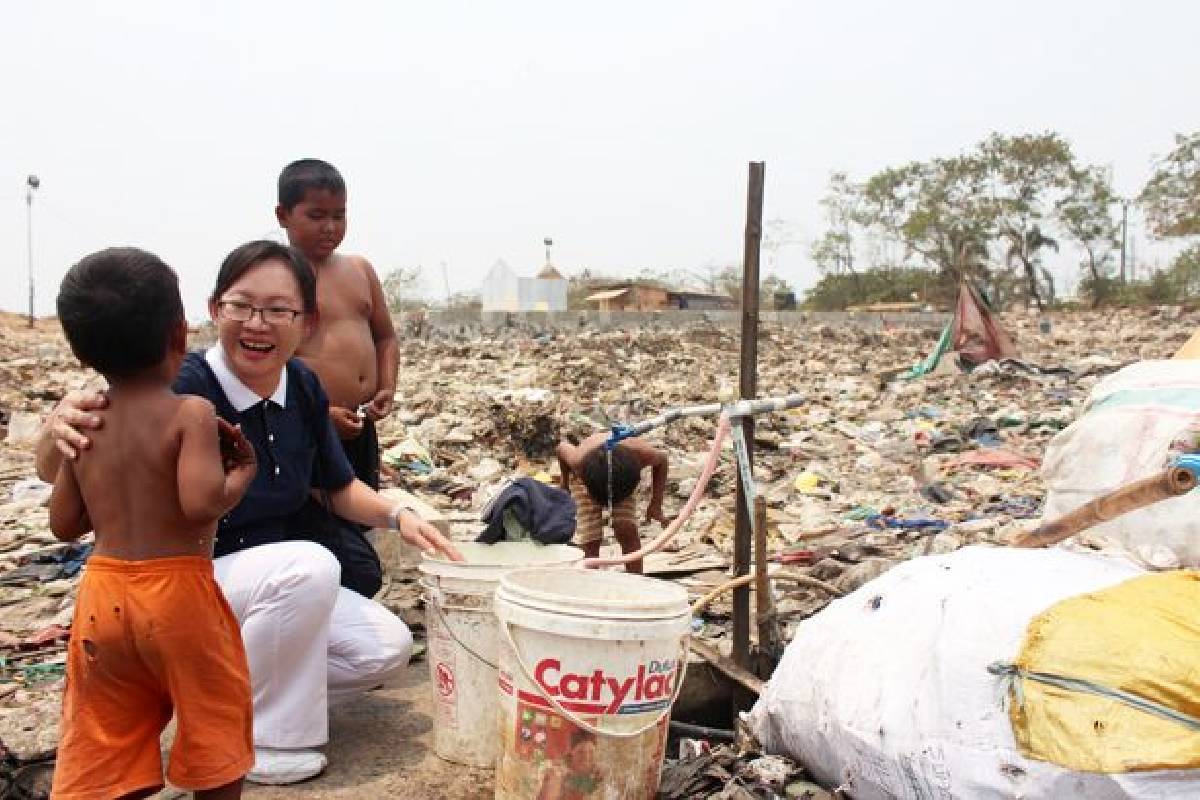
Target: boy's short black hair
251,254
308,173
593,471
118,308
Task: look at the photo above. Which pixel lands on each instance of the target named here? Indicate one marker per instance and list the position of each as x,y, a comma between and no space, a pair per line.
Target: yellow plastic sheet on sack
1191,348
1141,636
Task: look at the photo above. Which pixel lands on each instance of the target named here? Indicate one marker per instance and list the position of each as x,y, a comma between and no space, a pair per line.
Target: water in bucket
590,665
462,633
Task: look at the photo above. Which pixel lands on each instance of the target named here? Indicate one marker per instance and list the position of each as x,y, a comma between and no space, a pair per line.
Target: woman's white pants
310,642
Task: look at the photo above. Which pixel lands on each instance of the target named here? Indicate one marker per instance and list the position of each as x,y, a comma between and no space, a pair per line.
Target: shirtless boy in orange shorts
152,634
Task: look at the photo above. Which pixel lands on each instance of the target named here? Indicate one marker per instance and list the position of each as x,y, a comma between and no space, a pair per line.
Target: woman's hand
421,534
347,423
72,418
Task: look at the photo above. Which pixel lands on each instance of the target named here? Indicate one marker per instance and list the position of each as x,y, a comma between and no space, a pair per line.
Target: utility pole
1124,226
31,184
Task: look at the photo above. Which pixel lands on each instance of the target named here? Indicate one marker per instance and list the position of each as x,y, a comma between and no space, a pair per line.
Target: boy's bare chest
343,295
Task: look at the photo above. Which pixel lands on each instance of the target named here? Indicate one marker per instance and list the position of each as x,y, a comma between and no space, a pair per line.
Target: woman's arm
359,503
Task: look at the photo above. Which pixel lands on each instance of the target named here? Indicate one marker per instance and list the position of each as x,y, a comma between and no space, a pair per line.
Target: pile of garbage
730,772
871,471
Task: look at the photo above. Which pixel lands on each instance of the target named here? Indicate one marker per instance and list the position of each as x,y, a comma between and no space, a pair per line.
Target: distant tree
1161,290
401,288
773,283
1171,198
1027,176
771,288
1085,214
833,252
1026,251
1002,201
939,209
778,233
720,279
666,278
464,301
836,292
1185,272
579,286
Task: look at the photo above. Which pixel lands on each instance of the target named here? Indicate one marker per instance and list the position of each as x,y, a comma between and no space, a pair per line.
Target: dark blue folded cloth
547,512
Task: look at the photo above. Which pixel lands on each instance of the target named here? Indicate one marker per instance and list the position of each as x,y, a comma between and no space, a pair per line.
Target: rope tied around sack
1011,674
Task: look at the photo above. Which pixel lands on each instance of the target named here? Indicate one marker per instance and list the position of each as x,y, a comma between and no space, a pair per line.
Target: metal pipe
702,731
1163,486
765,405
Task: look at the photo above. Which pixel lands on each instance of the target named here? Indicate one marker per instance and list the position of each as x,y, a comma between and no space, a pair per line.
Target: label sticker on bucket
445,682
566,758
650,688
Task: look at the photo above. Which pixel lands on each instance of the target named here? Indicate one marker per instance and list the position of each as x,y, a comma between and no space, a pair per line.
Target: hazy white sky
468,131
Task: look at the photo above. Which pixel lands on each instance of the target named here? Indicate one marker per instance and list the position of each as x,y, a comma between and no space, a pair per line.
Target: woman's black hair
251,254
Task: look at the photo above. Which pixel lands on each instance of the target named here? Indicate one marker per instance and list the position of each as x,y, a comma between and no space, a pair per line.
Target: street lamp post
31,184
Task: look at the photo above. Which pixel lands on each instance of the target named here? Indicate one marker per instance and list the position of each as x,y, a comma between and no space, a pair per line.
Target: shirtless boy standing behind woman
353,347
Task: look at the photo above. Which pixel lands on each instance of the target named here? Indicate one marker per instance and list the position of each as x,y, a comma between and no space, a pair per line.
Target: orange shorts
152,638
589,516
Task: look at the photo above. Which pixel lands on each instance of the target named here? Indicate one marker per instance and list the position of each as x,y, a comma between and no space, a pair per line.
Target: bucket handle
437,607
587,726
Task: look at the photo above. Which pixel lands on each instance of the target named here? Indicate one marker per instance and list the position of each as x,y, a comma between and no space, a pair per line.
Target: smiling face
255,350
317,224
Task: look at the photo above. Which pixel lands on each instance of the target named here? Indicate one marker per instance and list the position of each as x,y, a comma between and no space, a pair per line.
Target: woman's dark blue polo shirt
296,446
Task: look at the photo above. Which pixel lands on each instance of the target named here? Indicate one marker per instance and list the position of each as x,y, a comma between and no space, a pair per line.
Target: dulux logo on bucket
648,689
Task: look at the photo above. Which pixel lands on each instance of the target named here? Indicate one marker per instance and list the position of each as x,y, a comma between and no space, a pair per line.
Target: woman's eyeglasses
236,311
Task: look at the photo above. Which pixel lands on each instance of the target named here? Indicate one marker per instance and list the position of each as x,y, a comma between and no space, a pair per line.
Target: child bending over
590,462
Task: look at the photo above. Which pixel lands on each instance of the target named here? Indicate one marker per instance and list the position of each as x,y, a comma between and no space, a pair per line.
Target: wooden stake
768,637
748,379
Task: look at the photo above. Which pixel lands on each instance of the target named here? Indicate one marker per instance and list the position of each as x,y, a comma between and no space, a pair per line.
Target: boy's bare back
152,484
342,349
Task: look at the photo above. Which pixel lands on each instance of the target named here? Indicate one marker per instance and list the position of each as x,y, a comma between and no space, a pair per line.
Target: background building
641,296
504,290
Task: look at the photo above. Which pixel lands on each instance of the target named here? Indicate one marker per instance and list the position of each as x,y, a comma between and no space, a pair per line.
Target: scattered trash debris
938,463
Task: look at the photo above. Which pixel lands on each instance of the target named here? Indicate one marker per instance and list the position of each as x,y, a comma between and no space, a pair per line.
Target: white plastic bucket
590,665
461,630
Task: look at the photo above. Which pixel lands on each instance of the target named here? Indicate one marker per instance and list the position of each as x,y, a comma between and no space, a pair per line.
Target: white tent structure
503,290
